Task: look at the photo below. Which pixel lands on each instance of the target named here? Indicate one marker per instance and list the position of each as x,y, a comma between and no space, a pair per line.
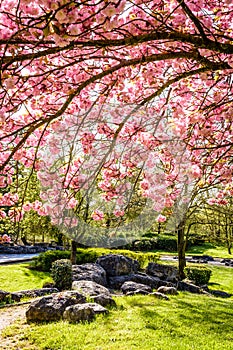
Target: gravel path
9,315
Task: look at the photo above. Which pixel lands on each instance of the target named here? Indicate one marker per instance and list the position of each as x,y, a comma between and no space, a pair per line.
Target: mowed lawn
184,322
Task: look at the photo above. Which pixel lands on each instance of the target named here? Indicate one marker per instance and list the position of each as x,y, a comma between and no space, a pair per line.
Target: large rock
51,307
84,312
117,265
117,281
164,272
135,288
89,272
104,300
89,288
188,287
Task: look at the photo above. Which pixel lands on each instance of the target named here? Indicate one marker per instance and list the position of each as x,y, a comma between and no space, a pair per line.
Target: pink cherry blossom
97,215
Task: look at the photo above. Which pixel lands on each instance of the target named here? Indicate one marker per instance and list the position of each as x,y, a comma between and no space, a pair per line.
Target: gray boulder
51,307
135,288
90,288
117,281
83,312
104,300
167,290
89,272
188,287
117,265
164,272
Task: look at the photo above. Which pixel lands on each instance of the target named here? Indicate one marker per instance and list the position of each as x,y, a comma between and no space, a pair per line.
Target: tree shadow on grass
178,316
200,249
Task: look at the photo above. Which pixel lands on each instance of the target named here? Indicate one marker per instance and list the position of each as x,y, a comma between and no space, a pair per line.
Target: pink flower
97,215
211,201
2,214
118,213
161,218
27,207
6,238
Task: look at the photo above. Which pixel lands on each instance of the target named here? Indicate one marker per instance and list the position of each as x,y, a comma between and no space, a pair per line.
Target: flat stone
129,287
220,294
117,281
167,290
90,288
160,295
83,312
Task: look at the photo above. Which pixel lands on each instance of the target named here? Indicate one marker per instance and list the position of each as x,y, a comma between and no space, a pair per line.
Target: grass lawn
17,277
210,249
185,322
203,249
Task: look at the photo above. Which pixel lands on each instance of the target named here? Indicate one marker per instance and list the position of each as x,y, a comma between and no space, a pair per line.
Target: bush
61,272
44,261
167,243
199,275
157,243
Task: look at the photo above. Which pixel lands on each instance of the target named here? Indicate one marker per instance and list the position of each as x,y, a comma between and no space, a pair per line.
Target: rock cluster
94,285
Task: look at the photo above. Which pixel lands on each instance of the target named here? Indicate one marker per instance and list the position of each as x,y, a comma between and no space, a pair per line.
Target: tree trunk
73,252
181,245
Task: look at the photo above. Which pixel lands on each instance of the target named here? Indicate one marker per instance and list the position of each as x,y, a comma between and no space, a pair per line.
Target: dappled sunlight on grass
184,322
18,277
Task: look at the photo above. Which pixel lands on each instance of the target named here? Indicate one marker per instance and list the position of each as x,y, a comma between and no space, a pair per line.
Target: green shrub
200,275
43,262
167,243
155,243
61,272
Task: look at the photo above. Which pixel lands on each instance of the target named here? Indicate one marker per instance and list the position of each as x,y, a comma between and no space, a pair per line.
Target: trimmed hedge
44,261
200,275
61,273
157,243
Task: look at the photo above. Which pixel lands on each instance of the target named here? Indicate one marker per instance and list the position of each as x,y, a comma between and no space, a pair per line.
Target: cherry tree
108,97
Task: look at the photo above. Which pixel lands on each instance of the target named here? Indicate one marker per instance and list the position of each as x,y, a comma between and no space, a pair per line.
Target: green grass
185,322
205,249
210,249
221,278
17,277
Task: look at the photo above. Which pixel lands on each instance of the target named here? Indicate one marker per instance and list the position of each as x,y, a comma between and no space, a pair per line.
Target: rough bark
181,246
73,252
